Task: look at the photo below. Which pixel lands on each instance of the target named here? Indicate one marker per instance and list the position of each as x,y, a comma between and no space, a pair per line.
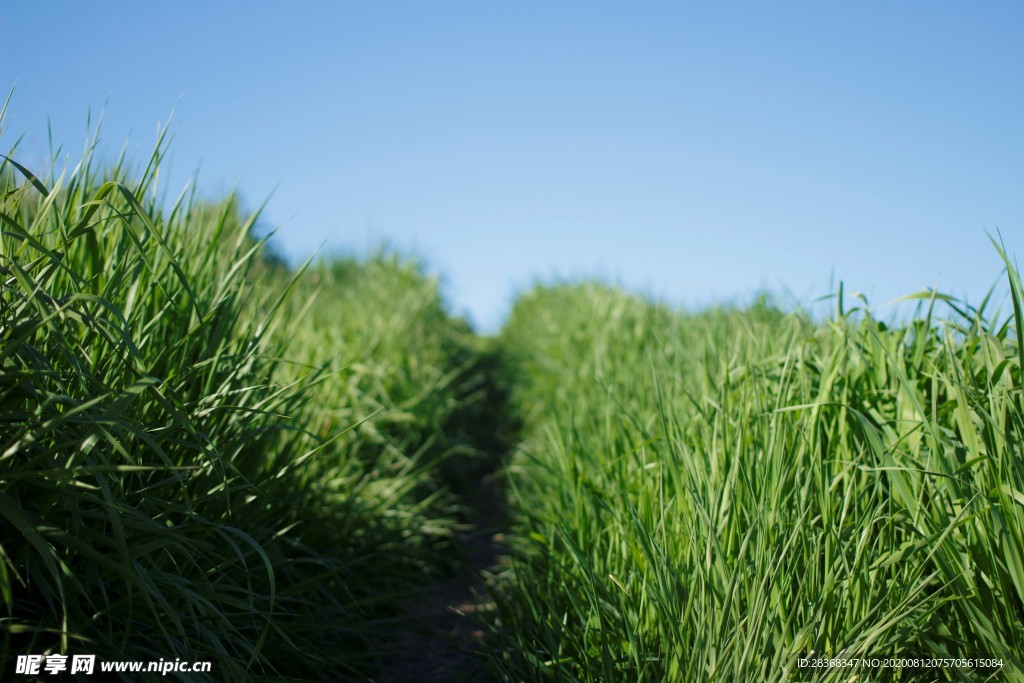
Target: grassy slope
193,462
713,496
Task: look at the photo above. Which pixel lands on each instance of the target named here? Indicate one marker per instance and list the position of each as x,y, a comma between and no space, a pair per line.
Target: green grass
713,496
207,454
203,454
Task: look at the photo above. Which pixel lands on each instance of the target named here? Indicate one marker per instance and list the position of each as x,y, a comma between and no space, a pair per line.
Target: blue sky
698,151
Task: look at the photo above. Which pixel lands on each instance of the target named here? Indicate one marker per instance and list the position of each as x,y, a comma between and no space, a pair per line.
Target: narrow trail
446,631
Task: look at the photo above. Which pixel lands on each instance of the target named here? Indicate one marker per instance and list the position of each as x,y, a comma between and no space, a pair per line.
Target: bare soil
446,634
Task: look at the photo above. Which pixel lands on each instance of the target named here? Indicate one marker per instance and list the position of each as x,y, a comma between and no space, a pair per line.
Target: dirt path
446,632
443,632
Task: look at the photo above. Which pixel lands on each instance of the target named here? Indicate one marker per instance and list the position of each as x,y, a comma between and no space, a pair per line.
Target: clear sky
699,151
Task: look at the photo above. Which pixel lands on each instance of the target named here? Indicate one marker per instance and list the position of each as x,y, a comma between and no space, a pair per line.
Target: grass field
715,496
208,455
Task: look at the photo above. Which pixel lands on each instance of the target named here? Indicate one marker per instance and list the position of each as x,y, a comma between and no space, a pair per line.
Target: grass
204,454
714,496
208,455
